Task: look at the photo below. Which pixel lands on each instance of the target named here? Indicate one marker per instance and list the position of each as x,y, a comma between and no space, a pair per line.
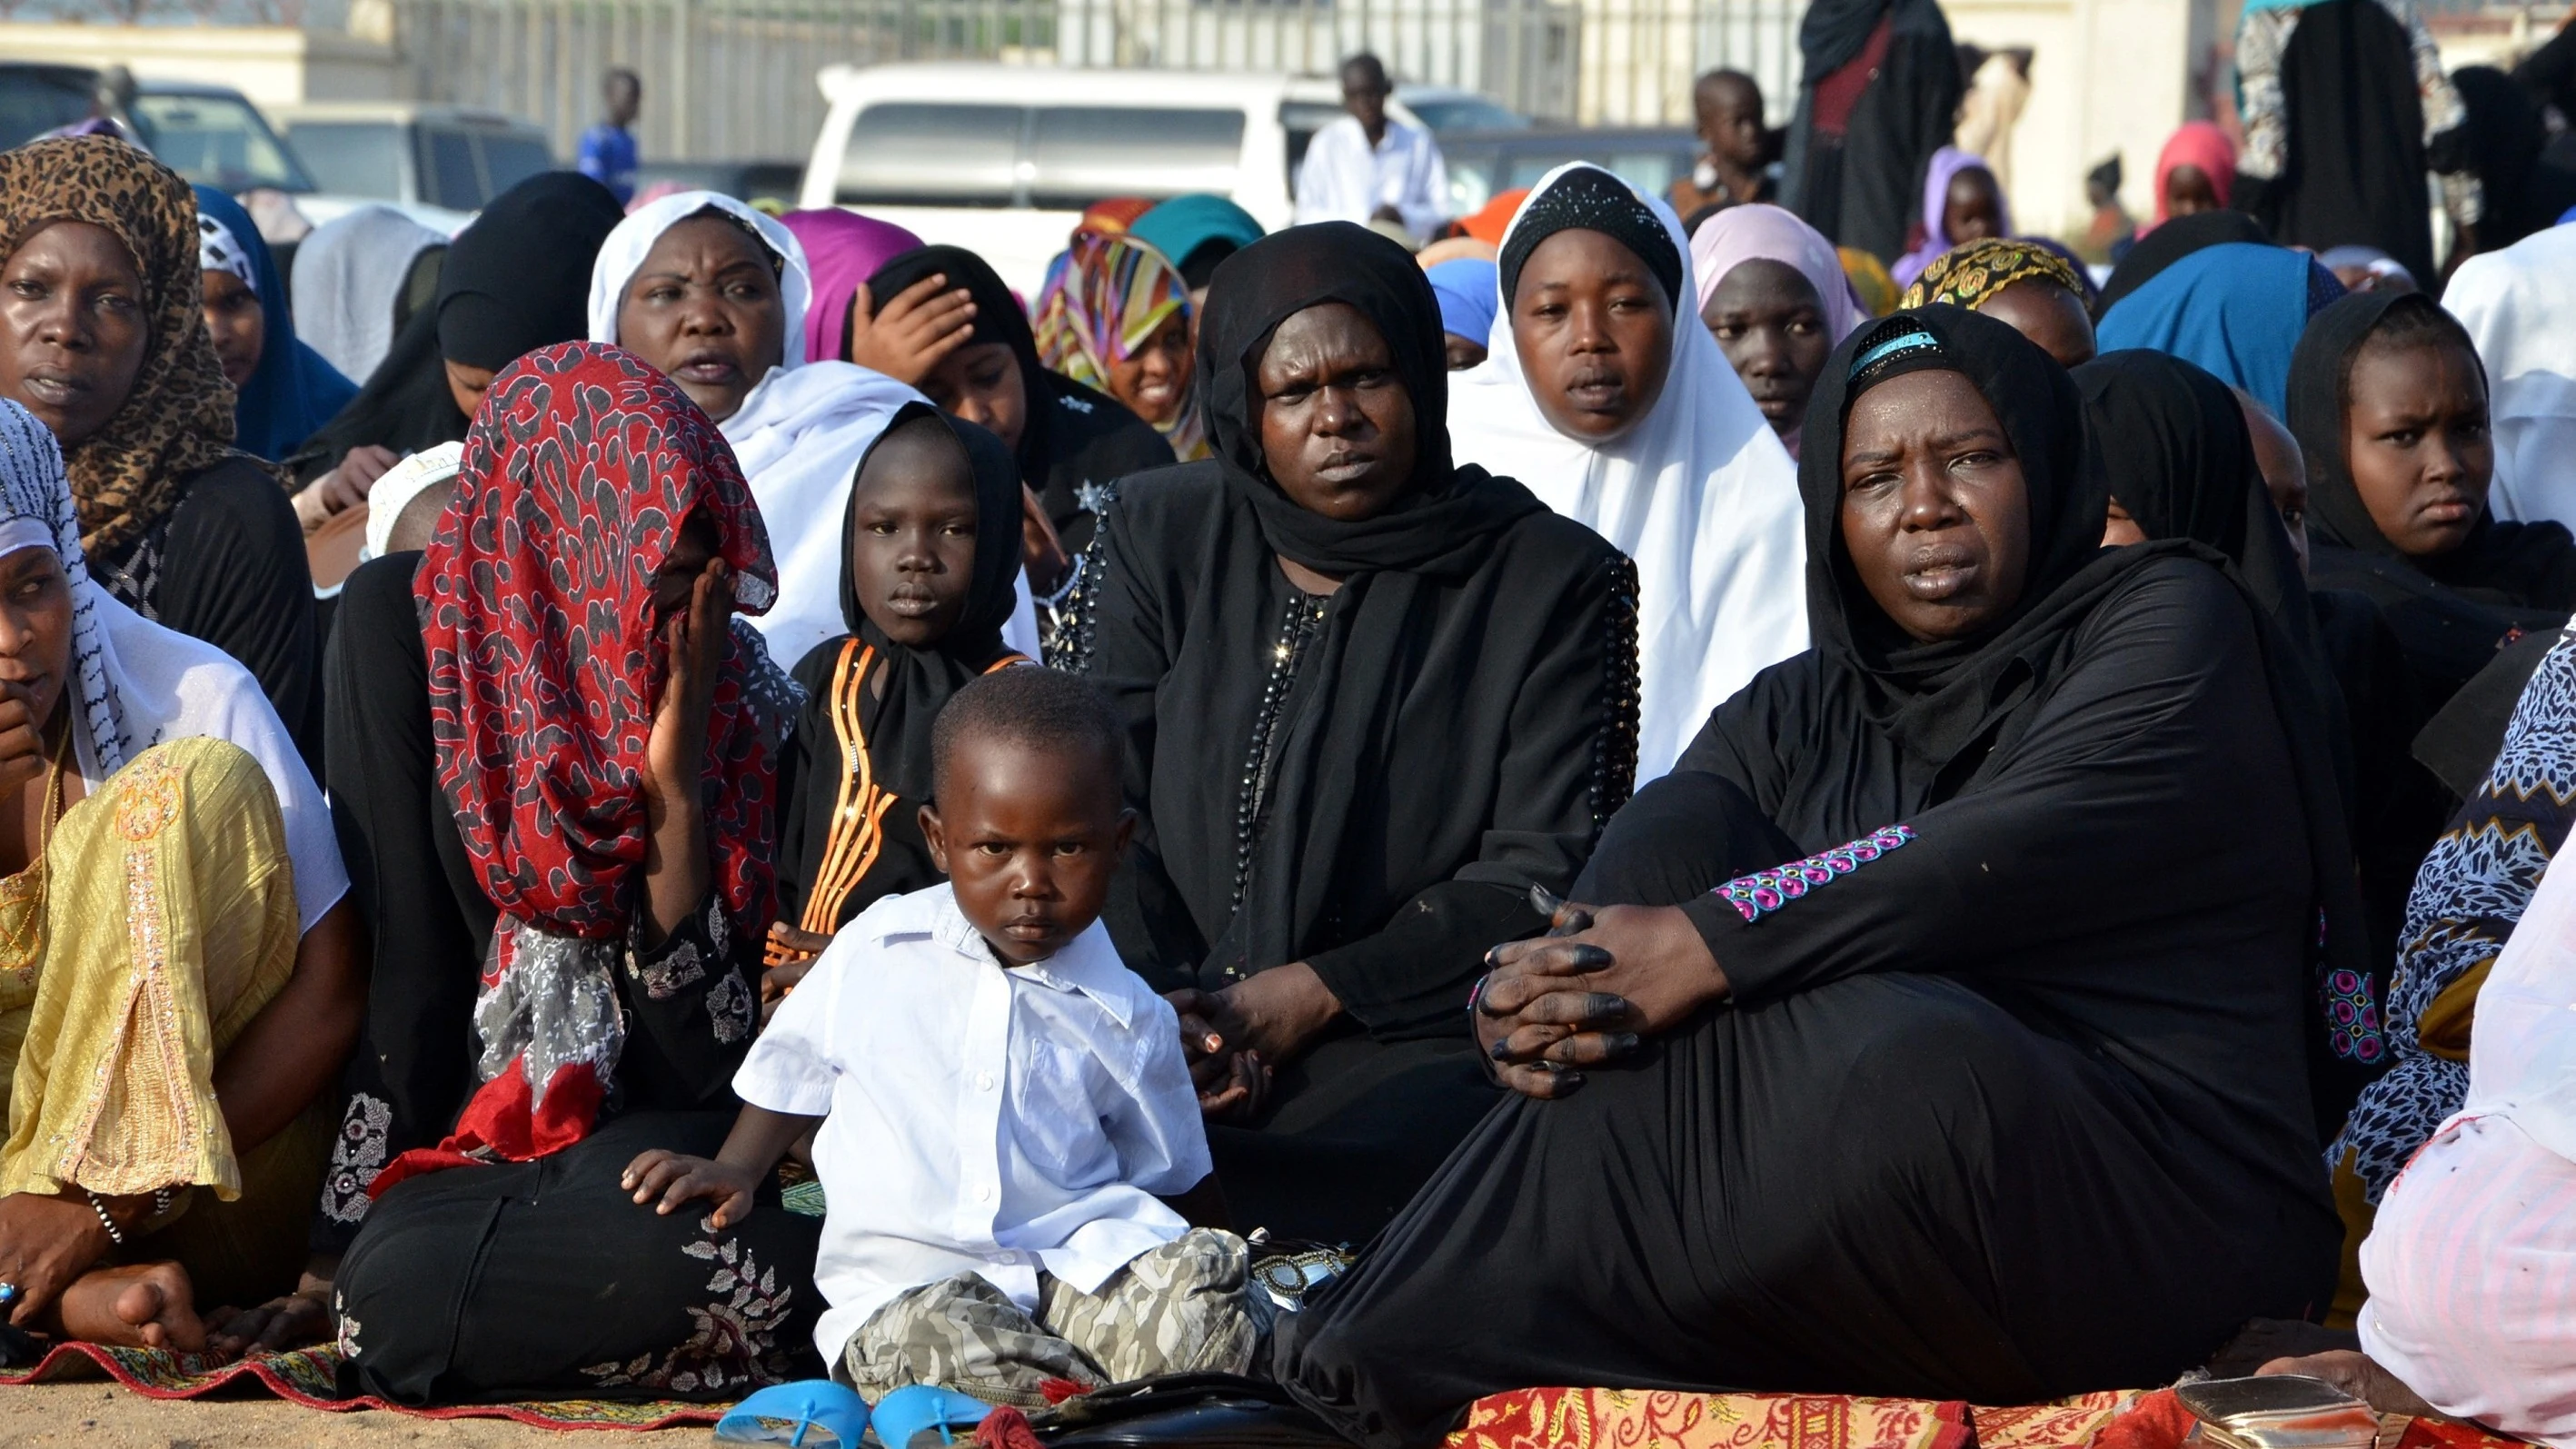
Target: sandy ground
100,1415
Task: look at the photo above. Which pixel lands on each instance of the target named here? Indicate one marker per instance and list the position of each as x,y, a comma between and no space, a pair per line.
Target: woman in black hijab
1375,697
2388,400
1072,441
856,772
516,280
1910,1139
2180,463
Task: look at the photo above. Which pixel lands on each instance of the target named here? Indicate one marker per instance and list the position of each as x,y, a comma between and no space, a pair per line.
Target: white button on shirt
1344,178
976,1119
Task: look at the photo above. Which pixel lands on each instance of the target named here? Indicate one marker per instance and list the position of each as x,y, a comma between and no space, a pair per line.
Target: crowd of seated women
1730,842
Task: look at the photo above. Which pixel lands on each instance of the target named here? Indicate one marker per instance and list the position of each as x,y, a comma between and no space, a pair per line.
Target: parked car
439,163
210,134
741,180
1485,162
35,99
1004,159
1445,109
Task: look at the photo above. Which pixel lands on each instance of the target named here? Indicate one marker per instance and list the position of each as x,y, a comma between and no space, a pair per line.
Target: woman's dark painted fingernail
1625,1042
1591,956
1503,1051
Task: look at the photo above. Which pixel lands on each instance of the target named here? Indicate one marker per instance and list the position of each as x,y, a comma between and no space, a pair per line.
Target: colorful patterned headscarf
545,669
1969,276
1109,296
178,420
1869,280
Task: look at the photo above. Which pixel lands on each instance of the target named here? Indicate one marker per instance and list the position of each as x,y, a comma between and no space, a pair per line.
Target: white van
1002,159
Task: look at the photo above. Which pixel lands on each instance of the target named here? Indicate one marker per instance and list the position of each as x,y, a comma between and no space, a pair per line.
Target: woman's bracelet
160,1207
1064,590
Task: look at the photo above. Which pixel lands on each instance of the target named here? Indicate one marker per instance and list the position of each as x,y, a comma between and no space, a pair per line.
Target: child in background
1003,1105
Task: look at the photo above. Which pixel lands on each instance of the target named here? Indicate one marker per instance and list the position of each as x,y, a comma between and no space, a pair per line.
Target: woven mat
310,1376
1528,1419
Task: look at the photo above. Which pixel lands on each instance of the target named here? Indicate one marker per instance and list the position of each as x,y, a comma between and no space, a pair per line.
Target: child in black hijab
2389,402
929,548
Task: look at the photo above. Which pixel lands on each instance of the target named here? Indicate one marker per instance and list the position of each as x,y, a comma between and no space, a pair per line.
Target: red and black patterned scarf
546,664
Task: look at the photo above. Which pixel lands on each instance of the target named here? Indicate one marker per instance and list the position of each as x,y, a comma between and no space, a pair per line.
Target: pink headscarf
1757,232
844,249
2201,144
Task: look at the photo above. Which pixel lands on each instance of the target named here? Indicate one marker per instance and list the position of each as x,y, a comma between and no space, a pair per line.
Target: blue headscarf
1183,224
294,392
1470,291
2236,309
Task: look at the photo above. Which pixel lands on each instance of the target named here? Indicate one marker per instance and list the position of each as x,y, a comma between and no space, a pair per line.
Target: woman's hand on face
1042,552
22,740
675,753
46,1244
1557,1004
913,331
344,486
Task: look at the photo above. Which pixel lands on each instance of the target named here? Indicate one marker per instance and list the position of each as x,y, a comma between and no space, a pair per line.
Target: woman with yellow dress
177,968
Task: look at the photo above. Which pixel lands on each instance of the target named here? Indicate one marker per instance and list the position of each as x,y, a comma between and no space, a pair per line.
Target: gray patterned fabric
1188,1305
2471,890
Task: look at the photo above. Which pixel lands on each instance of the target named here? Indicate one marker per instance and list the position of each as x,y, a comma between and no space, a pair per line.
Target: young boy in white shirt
1003,1106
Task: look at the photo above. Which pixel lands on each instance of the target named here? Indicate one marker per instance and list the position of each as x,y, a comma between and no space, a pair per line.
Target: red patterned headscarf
546,665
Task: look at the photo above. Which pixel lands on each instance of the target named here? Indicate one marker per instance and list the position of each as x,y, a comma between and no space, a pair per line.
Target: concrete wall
272,65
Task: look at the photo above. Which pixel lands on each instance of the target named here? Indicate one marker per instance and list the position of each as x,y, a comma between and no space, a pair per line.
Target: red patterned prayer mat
310,1376
1619,1419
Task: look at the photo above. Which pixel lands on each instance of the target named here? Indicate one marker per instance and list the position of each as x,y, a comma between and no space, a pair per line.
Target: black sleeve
428,923
1568,765
2105,812
691,1009
1116,636
234,575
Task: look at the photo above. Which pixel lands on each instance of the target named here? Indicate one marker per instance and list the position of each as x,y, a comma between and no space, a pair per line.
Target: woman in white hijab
714,293
1604,395
178,968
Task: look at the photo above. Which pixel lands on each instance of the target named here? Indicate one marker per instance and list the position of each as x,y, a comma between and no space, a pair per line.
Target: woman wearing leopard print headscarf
103,338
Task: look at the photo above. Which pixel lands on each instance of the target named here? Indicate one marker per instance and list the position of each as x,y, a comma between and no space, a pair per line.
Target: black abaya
2354,172
2017,1110
557,1290
1367,782
1854,166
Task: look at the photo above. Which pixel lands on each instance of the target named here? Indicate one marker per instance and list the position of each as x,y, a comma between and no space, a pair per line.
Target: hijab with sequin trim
177,420
546,665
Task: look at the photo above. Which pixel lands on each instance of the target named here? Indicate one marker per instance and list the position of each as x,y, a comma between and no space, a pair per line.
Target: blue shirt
607,156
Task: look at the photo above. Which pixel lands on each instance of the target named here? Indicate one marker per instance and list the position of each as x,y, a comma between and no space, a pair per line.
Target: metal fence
734,79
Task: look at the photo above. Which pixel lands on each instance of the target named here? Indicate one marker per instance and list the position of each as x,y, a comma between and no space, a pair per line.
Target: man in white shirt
1004,1110
1369,166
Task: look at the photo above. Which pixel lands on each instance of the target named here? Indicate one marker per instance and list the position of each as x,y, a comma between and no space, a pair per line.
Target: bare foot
2355,1374
136,1305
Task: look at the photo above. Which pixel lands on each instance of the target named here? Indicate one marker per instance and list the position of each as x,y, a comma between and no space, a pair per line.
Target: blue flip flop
810,1414
908,1411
